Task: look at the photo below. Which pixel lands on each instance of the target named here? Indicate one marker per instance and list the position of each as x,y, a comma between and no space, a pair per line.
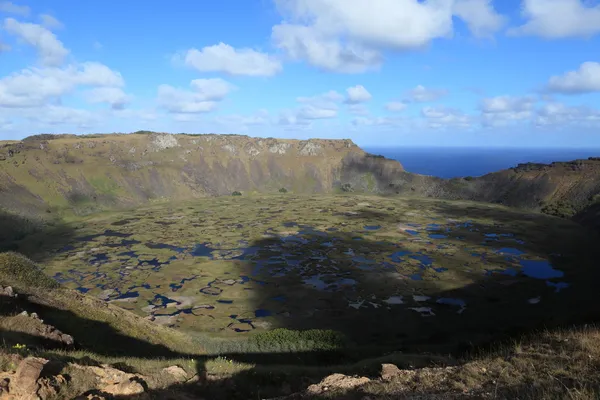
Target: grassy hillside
45,174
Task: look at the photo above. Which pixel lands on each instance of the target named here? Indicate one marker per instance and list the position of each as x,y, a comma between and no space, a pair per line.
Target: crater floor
384,271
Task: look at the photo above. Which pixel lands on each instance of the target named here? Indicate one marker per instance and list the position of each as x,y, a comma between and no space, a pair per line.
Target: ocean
451,162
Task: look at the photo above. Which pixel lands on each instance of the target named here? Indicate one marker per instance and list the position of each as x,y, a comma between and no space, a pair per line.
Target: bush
313,339
236,193
468,178
283,190
559,209
346,187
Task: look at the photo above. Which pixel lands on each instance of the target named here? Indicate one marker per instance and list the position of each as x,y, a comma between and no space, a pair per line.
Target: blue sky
381,72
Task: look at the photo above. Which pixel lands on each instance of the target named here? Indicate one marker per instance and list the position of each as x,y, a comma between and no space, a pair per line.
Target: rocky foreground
559,364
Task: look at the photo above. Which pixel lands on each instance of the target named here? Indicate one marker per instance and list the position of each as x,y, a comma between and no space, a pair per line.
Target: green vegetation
561,209
289,340
236,193
283,190
20,272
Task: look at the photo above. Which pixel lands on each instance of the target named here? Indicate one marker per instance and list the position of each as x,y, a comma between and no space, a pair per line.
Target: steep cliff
87,173
44,173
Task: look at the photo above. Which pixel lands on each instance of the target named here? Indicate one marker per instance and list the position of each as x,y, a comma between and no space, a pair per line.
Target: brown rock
337,381
7,291
125,388
24,385
389,371
176,372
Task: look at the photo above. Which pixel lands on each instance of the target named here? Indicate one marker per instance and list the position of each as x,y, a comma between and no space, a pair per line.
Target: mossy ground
391,271
371,276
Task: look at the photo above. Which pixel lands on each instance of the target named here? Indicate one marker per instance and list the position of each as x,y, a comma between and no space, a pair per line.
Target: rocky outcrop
30,381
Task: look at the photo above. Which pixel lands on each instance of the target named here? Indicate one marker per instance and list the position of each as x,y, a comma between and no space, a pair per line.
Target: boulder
176,372
389,371
24,384
337,381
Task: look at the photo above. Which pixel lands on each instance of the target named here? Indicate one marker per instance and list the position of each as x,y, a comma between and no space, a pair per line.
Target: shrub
313,339
468,178
346,187
283,190
236,193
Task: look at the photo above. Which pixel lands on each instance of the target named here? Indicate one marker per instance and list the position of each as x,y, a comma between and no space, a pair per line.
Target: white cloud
50,50
555,19
312,112
584,80
114,96
51,22
203,98
289,119
421,94
395,106
341,36
500,104
12,8
560,115
224,58
480,16
357,94
503,110
322,106
4,47
35,87
445,117
303,43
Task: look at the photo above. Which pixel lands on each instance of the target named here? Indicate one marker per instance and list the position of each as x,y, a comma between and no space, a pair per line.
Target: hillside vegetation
48,173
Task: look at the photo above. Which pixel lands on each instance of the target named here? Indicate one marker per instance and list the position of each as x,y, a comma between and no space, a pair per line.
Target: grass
20,272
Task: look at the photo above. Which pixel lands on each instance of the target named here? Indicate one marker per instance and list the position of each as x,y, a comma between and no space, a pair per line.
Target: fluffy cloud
421,94
224,58
339,35
50,50
50,22
203,97
35,87
114,96
480,17
395,106
4,47
502,110
11,8
584,80
445,117
357,94
555,19
329,54
323,106
557,115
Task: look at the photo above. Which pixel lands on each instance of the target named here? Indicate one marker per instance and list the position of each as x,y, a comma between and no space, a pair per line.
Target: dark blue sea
451,162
